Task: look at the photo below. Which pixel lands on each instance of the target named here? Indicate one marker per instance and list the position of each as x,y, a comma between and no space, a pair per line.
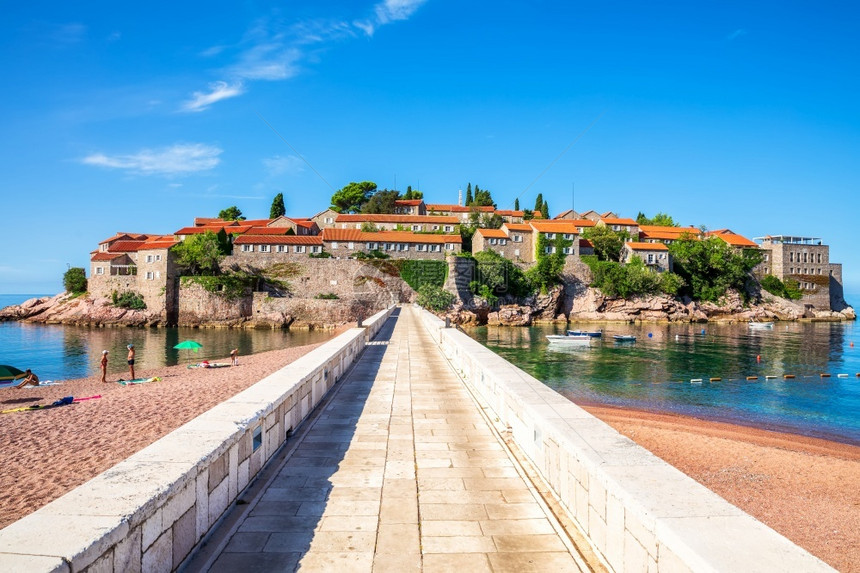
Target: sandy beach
46,453
804,488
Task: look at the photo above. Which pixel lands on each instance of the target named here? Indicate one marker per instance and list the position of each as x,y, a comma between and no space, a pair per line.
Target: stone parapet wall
639,513
197,306
148,512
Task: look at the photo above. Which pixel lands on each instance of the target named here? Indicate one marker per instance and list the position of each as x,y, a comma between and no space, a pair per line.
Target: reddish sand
46,453
804,488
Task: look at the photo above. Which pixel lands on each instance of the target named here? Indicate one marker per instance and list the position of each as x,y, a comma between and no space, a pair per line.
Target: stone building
666,235
325,219
807,261
250,250
346,243
386,222
655,255
629,226
410,207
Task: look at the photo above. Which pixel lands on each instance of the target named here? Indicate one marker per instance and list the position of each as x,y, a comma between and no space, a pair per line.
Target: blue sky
140,117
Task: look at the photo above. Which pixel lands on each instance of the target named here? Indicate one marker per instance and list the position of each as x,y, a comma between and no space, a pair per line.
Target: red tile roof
106,256
518,227
198,221
733,239
198,230
405,219
648,246
249,239
388,236
492,233
585,243
308,224
555,226
124,236
409,202
159,242
615,221
126,246
253,222
669,230
509,213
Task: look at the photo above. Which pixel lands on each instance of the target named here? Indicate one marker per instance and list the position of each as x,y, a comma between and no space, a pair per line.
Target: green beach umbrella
10,372
188,345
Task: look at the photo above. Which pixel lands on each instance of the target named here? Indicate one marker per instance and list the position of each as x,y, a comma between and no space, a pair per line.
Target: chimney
460,198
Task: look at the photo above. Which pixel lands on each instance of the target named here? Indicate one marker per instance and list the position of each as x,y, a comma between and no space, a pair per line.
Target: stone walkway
400,472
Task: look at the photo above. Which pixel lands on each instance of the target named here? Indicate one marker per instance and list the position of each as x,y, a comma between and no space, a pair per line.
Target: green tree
434,298
710,267
278,209
231,213
498,275
469,195
381,202
75,280
483,198
660,219
607,243
539,202
352,197
410,194
528,214
548,267
544,211
199,254
517,204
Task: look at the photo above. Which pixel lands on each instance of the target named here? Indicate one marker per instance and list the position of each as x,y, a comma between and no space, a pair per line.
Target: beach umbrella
10,372
188,345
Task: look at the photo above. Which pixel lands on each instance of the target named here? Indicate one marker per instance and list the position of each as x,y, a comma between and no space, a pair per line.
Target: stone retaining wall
640,513
148,512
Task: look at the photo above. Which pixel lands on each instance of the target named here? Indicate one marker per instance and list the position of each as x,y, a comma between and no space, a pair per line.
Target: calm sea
57,352
655,372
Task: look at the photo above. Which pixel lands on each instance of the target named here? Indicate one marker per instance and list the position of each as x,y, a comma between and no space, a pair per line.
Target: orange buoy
852,345
758,358
788,375
752,377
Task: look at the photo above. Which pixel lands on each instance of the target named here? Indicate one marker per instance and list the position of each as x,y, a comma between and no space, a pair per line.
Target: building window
329,220
420,247
568,236
372,246
158,274
358,226
819,258
503,242
333,245
299,249
650,258
247,248
416,227
148,258
316,249
449,246
100,270
157,258
402,247
280,248
791,257
517,238
765,257
550,236
350,245
265,248
791,270
549,250
449,228
804,257
435,227
435,248
149,275
491,241
567,250
516,252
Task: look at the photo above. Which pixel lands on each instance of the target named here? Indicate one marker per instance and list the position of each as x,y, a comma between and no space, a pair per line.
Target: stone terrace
399,472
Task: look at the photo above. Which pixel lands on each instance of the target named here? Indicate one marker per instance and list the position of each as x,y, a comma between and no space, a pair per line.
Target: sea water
669,369
58,352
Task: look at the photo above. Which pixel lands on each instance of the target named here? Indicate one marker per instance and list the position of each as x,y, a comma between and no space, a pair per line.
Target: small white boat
761,324
624,338
591,333
580,339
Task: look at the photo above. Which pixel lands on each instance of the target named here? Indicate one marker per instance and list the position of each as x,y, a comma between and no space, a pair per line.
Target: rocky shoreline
565,304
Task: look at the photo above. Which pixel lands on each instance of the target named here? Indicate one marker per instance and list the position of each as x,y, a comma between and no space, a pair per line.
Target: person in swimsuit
104,365
131,360
234,357
30,379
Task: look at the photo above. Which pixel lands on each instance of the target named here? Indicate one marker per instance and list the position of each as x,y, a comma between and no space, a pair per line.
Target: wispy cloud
278,165
179,159
274,50
71,33
388,11
736,34
217,91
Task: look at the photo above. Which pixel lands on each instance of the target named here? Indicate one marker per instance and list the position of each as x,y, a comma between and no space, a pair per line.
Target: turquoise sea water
655,372
57,352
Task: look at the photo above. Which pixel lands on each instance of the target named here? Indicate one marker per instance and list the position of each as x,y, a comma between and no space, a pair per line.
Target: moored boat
624,338
590,333
754,324
568,339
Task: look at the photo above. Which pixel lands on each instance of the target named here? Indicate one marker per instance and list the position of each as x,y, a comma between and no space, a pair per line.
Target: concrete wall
640,513
148,512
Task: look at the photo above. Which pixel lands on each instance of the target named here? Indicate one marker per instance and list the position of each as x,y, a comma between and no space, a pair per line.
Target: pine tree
468,194
545,210
278,208
539,202
517,204
408,194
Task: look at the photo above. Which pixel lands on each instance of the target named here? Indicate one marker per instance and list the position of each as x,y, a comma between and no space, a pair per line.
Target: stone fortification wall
640,513
197,306
307,312
148,512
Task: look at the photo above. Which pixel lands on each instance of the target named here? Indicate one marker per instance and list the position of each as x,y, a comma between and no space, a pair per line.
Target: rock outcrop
67,309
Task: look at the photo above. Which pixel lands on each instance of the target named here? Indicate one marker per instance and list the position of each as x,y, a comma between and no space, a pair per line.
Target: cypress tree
468,194
545,210
278,208
539,202
517,204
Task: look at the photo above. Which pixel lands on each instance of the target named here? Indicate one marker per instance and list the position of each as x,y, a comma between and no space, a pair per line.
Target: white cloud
278,165
269,61
393,10
179,159
218,91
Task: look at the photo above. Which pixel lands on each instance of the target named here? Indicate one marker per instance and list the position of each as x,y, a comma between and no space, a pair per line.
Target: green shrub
327,296
128,299
497,276
417,273
434,298
322,255
789,289
632,279
75,280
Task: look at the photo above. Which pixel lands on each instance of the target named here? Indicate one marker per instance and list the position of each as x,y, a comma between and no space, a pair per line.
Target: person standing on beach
104,365
234,357
131,360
